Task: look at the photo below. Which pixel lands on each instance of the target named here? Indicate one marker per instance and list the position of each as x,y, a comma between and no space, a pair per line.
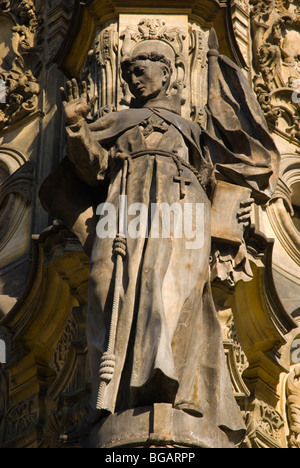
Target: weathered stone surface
45,384
151,155
160,425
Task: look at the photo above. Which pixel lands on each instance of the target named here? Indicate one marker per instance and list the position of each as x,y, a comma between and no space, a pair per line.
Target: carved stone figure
152,328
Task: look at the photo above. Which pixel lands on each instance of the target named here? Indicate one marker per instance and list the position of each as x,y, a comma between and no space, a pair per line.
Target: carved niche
20,61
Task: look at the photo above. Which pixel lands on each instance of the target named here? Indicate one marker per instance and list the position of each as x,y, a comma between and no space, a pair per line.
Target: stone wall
44,384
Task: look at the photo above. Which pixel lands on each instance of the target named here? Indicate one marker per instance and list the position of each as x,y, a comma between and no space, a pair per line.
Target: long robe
168,344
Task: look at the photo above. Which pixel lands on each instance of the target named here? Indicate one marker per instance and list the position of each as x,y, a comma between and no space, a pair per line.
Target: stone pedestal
155,426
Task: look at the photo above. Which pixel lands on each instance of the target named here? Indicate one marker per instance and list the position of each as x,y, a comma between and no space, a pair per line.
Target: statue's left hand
244,215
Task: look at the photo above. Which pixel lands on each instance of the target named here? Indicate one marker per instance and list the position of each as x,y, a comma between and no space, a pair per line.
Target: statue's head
147,73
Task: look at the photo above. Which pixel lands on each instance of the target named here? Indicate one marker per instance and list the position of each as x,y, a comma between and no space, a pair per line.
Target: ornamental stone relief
293,406
265,426
275,28
16,181
20,61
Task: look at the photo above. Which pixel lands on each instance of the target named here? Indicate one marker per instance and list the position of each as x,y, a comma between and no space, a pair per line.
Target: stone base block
155,426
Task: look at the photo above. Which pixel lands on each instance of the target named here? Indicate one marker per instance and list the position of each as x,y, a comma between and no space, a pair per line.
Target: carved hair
152,56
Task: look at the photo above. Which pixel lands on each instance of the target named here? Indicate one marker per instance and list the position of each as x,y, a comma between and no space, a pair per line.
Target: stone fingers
247,203
84,93
71,92
74,89
244,215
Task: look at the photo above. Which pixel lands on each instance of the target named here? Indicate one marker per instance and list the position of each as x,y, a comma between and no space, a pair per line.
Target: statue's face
148,80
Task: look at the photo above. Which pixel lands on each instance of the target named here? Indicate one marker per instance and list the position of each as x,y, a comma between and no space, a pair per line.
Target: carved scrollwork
59,357
20,67
293,406
236,359
198,67
21,417
4,6
264,426
153,29
276,34
283,207
101,70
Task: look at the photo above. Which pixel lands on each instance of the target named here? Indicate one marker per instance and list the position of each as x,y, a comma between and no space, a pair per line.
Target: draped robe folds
168,342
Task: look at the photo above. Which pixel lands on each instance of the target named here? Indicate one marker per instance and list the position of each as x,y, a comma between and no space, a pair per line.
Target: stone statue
152,326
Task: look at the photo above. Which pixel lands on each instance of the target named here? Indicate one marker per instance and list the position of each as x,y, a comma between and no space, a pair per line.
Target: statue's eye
139,71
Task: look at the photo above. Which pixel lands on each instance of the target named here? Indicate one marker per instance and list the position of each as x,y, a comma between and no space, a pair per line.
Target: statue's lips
139,89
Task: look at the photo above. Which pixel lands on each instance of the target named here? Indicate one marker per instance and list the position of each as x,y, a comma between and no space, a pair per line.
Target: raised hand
77,105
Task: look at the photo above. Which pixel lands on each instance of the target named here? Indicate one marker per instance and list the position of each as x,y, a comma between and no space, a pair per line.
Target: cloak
66,196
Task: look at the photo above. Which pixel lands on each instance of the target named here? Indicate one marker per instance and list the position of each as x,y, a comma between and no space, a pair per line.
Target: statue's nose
135,80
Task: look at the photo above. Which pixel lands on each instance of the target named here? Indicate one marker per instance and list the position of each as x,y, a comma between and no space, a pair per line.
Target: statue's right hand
76,106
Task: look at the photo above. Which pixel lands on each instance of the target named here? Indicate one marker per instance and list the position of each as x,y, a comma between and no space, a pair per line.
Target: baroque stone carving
101,71
276,35
198,48
236,358
284,205
59,357
20,66
240,37
70,389
16,180
293,406
264,426
21,417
